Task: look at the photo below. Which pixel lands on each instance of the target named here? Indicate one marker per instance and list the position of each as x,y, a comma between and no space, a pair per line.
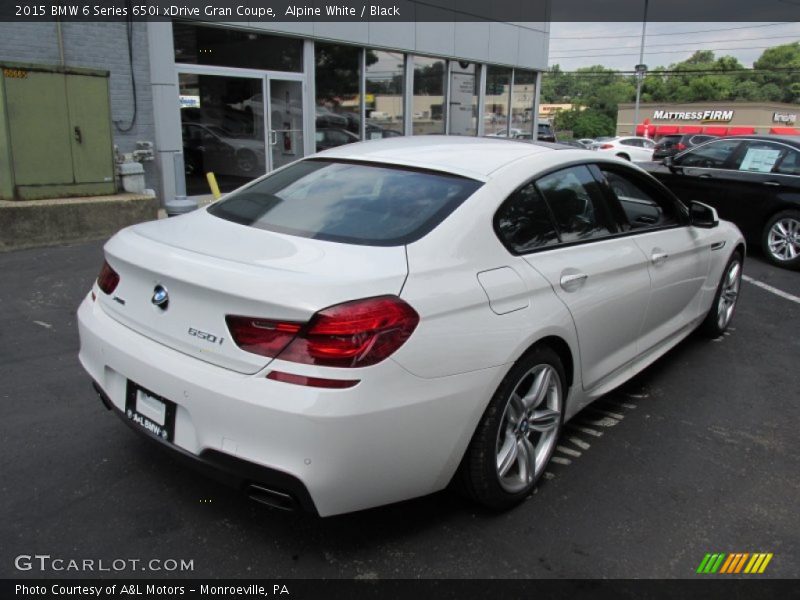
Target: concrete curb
37,223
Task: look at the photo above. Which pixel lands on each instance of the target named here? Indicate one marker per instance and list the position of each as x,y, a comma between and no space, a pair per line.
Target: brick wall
98,46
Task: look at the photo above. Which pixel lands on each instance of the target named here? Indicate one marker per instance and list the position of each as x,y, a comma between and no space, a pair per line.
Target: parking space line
774,290
580,443
606,413
586,430
568,451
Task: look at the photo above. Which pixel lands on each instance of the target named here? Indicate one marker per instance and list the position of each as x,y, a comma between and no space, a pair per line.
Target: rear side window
524,222
341,201
576,204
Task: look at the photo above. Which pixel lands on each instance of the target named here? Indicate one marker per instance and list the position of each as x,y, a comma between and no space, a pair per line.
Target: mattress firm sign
706,116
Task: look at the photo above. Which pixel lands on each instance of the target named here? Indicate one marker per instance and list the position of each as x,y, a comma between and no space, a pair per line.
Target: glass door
285,138
222,126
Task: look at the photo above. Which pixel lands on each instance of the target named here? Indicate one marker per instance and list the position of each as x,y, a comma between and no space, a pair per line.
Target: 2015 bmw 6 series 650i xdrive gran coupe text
375,321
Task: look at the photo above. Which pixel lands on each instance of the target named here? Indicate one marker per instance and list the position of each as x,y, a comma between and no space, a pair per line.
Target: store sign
706,116
788,118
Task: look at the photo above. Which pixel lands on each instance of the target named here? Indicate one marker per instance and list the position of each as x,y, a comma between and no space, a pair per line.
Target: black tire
714,325
624,156
773,254
478,474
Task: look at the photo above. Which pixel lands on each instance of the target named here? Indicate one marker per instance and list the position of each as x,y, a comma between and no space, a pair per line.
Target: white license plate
152,408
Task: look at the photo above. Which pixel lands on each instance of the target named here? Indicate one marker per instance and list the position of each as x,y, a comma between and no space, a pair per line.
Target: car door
763,179
701,173
602,280
678,256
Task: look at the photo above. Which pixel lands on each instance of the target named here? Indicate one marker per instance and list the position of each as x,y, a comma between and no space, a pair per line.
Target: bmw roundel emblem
160,297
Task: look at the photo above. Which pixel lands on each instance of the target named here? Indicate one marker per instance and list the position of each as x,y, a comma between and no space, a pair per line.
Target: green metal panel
6,166
38,123
90,129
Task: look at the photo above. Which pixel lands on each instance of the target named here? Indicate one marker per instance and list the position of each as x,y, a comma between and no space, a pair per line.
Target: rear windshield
351,202
670,140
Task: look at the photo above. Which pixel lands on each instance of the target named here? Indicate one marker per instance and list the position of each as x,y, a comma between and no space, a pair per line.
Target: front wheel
721,312
518,432
781,239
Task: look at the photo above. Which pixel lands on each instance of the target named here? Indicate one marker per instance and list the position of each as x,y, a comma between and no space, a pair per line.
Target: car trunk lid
211,268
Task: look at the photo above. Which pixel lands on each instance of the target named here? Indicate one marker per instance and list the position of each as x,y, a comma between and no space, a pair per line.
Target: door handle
573,281
704,176
78,135
659,258
772,183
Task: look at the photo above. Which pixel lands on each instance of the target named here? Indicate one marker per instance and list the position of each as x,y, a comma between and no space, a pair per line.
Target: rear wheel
721,312
781,239
518,432
624,156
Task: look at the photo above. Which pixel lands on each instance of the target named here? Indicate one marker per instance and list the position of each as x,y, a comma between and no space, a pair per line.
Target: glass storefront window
338,109
522,95
226,47
464,89
428,106
498,84
384,98
222,124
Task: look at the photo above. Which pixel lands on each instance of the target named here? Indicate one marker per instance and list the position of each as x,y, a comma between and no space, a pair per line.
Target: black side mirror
668,162
702,215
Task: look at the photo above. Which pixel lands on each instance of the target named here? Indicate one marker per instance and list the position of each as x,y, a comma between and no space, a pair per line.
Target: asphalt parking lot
698,454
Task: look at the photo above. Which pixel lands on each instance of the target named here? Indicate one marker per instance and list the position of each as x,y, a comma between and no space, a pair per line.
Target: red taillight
606,146
354,334
108,279
320,382
261,336
679,146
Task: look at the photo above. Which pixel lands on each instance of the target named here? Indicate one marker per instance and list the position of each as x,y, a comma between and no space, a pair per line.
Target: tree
778,59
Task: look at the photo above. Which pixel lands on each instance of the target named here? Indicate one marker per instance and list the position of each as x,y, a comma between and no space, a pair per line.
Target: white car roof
468,156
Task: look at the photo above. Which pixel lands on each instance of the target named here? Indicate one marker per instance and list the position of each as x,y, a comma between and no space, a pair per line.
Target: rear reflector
606,146
354,334
261,336
108,279
320,382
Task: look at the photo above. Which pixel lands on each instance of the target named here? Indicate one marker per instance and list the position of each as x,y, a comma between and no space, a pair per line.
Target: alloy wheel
529,428
783,239
729,294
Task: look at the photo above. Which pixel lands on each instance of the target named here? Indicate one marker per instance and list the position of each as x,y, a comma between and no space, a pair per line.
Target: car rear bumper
392,437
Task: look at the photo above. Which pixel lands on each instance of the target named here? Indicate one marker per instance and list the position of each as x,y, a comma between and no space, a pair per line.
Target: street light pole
641,69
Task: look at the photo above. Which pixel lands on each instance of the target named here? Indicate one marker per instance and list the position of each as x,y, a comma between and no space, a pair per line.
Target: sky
576,45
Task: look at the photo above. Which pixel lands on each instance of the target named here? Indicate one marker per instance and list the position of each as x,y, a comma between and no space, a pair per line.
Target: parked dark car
670,145
753,181
332,137
545,133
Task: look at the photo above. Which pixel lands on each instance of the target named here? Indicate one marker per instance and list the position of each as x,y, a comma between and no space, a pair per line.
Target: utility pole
641,69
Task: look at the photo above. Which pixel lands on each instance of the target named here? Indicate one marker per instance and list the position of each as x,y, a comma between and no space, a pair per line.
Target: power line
755,39
786,70
665,52
614,37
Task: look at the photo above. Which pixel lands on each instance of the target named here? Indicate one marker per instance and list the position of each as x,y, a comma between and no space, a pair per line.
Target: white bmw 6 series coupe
374,322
